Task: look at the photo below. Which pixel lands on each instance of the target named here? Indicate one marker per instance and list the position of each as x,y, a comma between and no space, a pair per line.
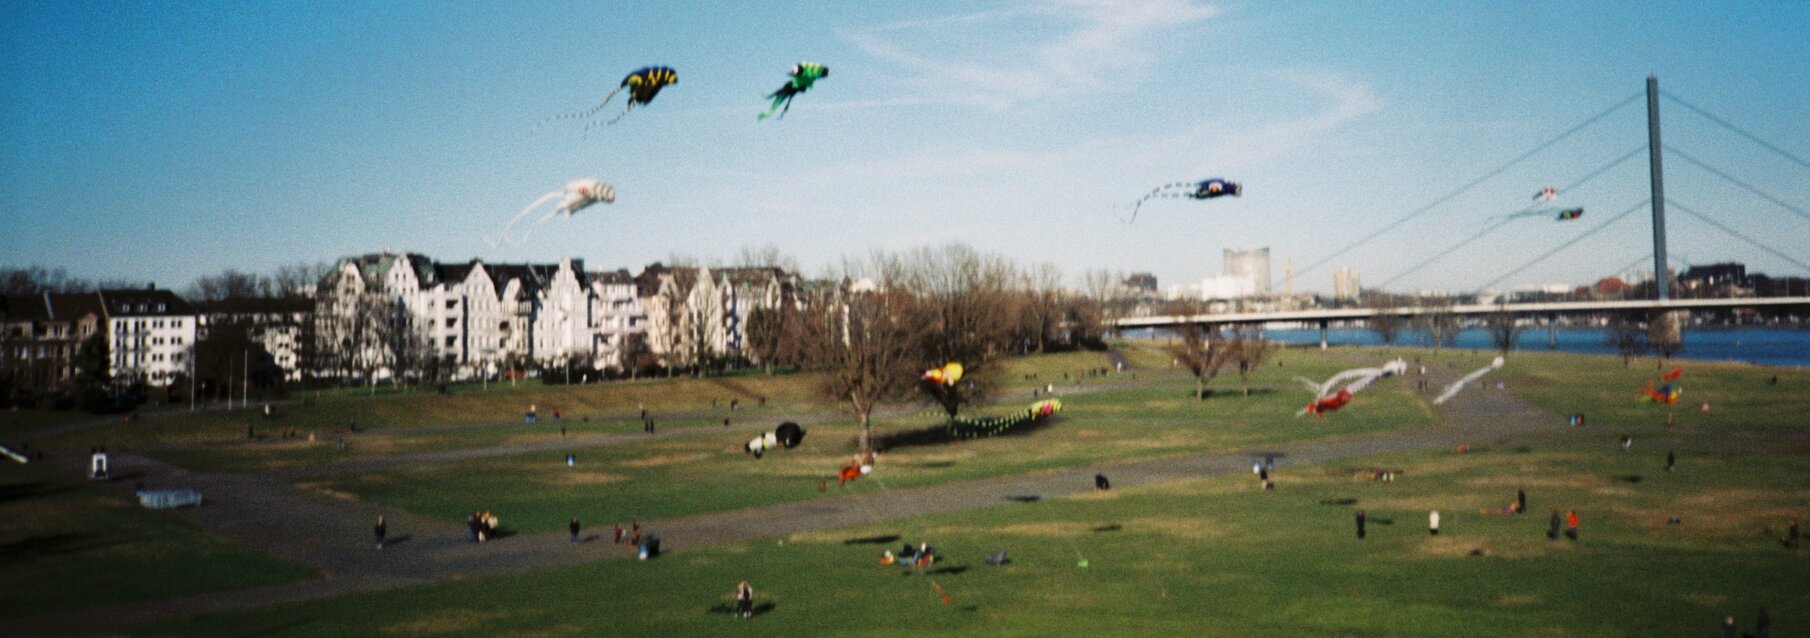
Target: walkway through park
268,513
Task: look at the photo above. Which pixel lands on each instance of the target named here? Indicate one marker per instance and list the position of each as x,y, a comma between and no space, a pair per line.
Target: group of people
908,557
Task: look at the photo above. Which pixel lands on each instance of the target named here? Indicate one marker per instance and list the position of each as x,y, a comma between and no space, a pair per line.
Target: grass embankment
423,420
1214,557
67,544
1112,417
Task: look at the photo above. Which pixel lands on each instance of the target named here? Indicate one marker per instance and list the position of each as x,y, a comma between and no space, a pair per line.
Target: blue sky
161,141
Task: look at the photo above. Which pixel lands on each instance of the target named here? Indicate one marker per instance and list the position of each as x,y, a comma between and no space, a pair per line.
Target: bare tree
1624,333
867,346
1196,350
1440,326
1385,323
1040,305
1249,349
963,297
765,256
635,356
1504,329
771,335
1665,334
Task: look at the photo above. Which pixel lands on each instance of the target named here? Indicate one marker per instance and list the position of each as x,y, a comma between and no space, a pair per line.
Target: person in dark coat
1100,482
573,527
1670,460
1552,527
1521,499
381,529
744,600
1360,524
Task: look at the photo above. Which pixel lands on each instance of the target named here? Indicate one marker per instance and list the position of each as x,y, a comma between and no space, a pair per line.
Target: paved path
267,513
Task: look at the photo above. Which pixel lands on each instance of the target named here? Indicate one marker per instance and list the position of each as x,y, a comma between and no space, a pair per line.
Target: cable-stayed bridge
1792,246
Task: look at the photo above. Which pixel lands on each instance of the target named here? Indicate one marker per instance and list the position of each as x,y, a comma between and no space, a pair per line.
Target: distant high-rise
1252,264
1345,283
1142,282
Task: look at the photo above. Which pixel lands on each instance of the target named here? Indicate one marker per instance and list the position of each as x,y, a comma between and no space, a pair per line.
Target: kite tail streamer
537,224
579,115
1453,389
504,237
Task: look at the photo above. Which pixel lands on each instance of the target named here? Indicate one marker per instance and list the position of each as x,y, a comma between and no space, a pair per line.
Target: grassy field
65,545
1104,419
1213,557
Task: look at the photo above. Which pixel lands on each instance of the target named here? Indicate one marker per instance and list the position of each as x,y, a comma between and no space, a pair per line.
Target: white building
149,335
1252,264
1226,287
1345,283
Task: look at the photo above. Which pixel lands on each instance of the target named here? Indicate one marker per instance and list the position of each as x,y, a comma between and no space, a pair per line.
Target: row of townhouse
481,318
372,310
149,335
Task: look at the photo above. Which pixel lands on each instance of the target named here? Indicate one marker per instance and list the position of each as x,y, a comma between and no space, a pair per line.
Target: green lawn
65,544
1212,557
1103,419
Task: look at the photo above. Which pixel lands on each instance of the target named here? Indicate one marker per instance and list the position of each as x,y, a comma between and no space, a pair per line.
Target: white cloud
1106,41
1347,100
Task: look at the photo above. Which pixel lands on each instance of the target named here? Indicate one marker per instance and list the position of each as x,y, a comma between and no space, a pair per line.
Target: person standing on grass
1791,535
1433,523
1571,524
1521,501
1552,527
381,529
573,527
744,599
1360,524
1670,460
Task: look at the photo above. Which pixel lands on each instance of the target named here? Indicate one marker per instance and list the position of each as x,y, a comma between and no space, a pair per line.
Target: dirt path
333,536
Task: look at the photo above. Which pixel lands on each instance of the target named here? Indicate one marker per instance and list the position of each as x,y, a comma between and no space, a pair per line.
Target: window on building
451,341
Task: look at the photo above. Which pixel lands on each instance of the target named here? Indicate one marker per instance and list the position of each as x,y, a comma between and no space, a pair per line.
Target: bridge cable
1782,204
1504,221
1751,137
1473,183
1705,219
1565,245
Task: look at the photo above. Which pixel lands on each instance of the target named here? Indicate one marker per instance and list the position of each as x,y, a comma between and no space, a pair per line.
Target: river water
1765,346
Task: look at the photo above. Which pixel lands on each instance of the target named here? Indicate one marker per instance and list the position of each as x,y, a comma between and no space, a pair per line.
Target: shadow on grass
398,540
943,434
52,545
1024,498
1109,528
275,630
1338,501
20,491
872,540
950,570
728,609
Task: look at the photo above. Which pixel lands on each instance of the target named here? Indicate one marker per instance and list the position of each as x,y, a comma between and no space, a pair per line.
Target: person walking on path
1571,524
1521,501
381,529
744,600
1360,524
1433,523
618,533
573,527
